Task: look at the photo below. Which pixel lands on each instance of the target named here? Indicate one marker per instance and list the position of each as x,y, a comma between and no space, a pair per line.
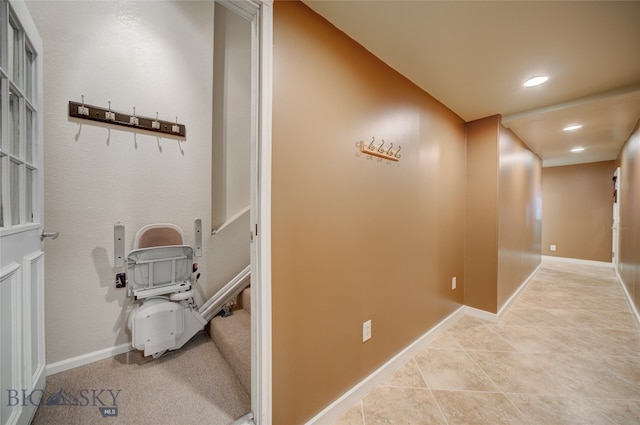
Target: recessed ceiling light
536,81
578,149
572,127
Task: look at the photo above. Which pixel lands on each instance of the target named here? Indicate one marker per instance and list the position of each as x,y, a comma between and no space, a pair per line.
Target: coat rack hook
371,147
381,149
389,151
109,114
175,128
397,155
133,120
83,110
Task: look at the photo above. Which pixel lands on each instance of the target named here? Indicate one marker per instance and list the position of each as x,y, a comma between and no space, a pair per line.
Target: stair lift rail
228,292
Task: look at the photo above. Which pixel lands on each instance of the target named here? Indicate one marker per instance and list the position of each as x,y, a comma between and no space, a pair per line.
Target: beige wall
481,239
502,246
520,214
354,238
577,210
629,266
97,175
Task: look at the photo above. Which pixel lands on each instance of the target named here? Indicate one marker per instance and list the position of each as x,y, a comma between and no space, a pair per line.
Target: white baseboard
578,261
84,359
627,295
332,412
518,291
493,317
481,314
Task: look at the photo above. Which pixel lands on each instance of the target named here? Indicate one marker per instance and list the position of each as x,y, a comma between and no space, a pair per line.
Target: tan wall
577,210
519,218
481,243
629,266
503,229
354,238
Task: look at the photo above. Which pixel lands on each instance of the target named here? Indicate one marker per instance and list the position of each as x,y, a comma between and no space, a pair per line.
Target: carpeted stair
232,337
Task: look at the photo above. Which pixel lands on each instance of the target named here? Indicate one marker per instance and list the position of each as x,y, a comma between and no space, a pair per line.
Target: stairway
232,337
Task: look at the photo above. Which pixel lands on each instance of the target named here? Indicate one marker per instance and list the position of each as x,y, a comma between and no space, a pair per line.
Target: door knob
52,235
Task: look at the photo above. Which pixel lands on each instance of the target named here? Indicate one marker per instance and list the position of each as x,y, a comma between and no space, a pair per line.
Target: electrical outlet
552,247
366,331
453,283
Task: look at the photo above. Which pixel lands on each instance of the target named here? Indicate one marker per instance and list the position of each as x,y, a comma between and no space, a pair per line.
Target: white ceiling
473,56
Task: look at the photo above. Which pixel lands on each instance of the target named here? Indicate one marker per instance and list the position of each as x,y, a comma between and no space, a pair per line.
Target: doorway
253,127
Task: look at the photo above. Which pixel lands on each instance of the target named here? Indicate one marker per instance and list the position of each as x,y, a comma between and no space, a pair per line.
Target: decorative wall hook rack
381,151
107,116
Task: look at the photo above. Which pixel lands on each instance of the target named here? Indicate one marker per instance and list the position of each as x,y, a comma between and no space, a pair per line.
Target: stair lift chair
159,271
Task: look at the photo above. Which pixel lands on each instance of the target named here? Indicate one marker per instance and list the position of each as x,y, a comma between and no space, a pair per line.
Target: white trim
332,412
634,310
8,270
247,8
261,397
84,359
481,314
578,261
517,293
493,317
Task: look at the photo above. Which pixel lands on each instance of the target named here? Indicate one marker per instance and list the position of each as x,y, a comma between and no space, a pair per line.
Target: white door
22,359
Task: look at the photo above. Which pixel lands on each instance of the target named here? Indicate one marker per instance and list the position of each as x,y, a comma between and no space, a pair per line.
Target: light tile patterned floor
566,352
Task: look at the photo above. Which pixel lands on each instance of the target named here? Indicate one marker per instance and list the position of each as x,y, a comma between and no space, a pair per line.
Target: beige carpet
193,385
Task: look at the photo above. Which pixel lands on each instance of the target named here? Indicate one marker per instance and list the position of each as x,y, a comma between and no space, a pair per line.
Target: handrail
236,285
231,220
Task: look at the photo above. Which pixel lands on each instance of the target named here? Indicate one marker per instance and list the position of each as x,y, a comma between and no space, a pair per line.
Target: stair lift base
160,279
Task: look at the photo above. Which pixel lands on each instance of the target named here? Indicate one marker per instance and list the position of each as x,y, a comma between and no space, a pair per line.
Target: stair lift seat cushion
159,270
160,234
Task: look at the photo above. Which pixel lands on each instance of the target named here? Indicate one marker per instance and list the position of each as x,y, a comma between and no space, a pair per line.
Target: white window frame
8,21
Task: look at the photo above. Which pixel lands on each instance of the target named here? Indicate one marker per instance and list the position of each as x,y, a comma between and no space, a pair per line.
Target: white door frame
615,228
260,14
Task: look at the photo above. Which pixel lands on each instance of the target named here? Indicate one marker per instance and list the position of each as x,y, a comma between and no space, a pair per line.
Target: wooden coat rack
107,116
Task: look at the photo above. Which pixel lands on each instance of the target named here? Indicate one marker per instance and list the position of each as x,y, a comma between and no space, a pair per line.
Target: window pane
1,120
14,124
29,134
28,195
28,72
10,43
1,37
1,206
14,54
14,188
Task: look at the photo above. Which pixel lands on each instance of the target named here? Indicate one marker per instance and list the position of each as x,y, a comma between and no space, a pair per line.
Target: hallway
566,352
